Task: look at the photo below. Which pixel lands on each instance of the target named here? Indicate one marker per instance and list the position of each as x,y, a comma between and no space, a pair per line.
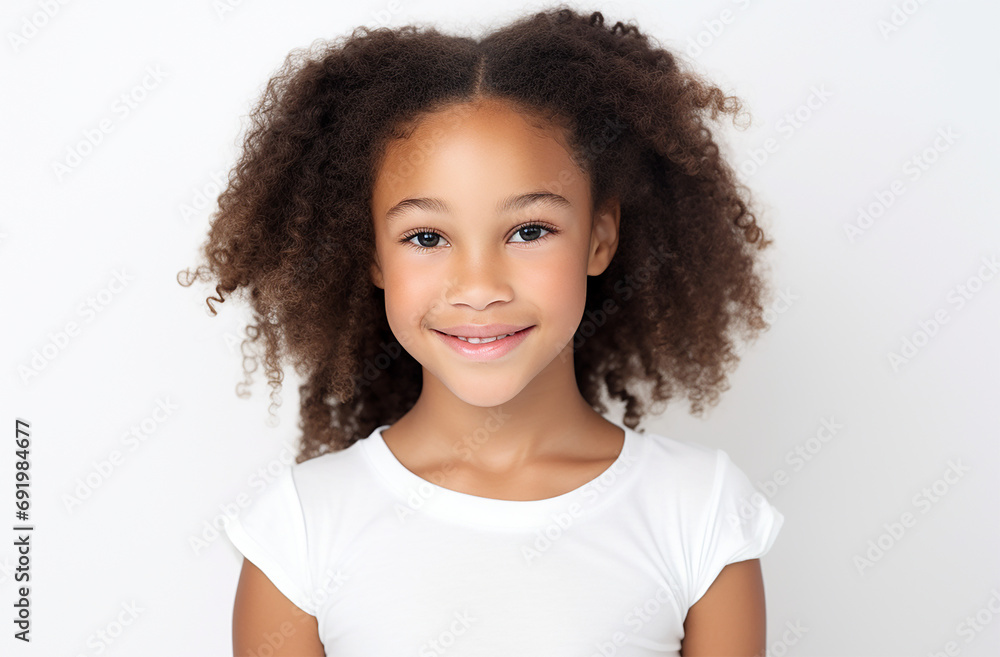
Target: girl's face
458,243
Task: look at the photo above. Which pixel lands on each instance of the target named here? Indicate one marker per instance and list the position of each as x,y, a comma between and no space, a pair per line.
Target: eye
421,236
532,230
426,235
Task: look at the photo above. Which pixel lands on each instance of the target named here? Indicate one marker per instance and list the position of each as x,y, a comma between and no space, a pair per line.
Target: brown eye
428,237
531,232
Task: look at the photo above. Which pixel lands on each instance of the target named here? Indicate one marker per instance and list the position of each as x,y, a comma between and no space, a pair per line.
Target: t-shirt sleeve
739,524
270,532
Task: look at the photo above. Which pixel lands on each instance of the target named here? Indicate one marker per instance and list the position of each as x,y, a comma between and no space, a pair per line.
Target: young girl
460,244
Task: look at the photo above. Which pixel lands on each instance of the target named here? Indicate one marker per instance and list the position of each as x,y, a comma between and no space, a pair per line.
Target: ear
604,237
376,274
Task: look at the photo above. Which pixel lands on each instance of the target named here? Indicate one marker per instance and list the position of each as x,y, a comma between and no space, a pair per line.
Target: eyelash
405,239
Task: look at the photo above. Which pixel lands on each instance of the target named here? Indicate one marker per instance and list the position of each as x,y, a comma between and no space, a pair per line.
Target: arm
730,619
266,622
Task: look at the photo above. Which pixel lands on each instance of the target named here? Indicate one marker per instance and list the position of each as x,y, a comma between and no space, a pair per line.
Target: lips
487,348
482,331
484,340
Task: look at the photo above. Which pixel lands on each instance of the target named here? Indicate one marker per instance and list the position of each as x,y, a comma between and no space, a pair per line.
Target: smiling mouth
484,340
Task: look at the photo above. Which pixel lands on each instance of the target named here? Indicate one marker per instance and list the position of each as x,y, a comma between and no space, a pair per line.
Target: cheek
412,295
399,301
559,285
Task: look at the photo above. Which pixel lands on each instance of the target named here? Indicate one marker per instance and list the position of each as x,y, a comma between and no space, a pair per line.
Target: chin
476,392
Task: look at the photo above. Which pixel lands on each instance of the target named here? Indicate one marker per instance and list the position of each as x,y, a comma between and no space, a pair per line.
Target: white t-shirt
392,564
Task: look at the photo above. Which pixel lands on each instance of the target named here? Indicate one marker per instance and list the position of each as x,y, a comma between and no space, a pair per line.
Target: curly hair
294,230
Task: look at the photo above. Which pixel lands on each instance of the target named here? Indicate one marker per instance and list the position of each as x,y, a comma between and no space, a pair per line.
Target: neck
548,418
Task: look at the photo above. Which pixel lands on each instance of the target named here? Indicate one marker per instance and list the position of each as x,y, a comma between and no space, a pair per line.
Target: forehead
482,151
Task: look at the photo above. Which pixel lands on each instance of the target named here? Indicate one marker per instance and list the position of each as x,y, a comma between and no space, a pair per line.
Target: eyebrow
512,203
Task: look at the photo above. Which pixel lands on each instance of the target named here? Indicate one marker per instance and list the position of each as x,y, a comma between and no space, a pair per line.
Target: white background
133,538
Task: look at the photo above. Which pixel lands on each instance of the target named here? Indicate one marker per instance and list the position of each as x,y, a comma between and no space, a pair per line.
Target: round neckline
420,496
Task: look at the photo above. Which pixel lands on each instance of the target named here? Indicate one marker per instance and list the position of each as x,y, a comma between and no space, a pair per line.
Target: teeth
481,340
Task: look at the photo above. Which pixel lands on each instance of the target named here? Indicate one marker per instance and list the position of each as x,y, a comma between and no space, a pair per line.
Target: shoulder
681,465
693,482
315,478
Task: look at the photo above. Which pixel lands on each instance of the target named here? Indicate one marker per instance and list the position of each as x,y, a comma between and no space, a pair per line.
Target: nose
479,279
